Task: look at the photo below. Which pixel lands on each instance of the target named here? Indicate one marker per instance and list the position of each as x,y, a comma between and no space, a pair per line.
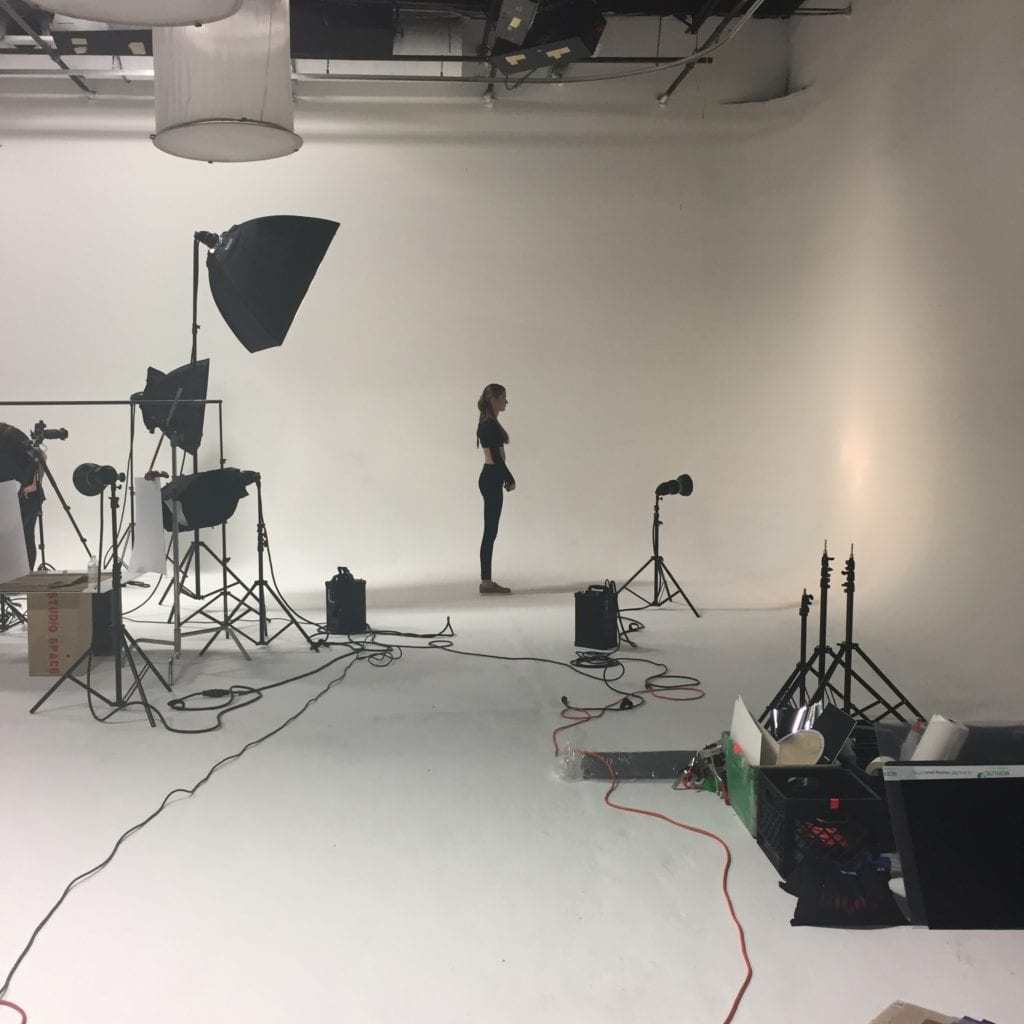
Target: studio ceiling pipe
146,12
224,91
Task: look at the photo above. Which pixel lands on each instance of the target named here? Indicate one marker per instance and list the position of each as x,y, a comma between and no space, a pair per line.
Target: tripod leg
823,679
682,592
69,676
137,685
795,684
903,701
639,572
262,588
130,641
10,614
662,591
183,570
232,634
293,620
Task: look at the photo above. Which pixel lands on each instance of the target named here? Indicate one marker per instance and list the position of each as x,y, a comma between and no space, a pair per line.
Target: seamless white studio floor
406,850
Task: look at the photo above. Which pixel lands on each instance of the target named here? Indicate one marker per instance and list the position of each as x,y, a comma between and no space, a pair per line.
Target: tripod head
826,569
850,573
40,433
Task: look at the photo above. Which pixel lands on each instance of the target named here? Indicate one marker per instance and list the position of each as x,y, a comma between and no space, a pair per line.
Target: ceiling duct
342,31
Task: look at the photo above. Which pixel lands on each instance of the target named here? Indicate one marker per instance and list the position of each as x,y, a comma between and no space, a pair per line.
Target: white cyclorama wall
811,305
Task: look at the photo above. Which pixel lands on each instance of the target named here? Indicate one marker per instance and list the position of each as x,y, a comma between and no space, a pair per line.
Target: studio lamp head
182,420
205,499
681,485
90,479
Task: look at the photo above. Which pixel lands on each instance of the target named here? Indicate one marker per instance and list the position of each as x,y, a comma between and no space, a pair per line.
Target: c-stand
796,684
844,656
123,643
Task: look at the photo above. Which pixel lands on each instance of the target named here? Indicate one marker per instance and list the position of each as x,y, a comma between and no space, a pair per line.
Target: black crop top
490,434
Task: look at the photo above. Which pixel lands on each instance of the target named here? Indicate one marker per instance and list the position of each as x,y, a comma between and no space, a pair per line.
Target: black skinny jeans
492,488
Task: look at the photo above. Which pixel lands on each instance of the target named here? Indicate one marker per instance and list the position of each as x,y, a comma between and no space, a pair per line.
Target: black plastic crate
822,810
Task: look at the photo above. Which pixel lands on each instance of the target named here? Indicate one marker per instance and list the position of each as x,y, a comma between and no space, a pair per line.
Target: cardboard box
59,631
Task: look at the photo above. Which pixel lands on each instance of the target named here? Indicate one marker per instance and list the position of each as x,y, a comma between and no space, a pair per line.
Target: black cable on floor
163,804
377,654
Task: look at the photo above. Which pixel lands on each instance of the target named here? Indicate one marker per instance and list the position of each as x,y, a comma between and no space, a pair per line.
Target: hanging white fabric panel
224,91
146,12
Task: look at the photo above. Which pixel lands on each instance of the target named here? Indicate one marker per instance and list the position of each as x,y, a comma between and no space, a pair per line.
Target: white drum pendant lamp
146,12
224,91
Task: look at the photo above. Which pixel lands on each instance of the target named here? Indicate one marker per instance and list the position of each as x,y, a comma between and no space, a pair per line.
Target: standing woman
495,475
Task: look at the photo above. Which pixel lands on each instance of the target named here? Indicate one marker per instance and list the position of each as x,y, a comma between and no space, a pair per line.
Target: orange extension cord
16,1008
580,715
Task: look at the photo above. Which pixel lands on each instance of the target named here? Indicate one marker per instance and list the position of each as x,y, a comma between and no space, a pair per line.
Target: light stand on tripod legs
195,502
259,589
796,684
666,586
793,692
92,480
882,705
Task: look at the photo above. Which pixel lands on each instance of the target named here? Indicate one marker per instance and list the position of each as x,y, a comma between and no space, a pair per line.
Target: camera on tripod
41,433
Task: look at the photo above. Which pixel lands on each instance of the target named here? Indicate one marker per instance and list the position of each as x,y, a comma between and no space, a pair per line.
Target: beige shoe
490,587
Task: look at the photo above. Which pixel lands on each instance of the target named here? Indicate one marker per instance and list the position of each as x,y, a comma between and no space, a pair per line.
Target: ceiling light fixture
146,12
224,91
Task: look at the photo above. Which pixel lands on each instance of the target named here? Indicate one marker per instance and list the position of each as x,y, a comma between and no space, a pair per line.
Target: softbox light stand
125,646
259,272
260,589
666,586
221,626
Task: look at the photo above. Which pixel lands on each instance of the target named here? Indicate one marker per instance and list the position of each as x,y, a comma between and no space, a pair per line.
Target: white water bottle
93,574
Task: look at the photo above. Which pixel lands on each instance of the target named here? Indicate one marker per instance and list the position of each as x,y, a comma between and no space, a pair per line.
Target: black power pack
597,616
102,620
346,603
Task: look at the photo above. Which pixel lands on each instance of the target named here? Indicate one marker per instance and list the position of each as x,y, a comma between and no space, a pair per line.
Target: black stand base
887,701
127,645
666,586
11,614
259,591
219,625
794,692
186,567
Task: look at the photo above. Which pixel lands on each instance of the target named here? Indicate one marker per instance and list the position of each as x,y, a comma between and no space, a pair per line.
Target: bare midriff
488,460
